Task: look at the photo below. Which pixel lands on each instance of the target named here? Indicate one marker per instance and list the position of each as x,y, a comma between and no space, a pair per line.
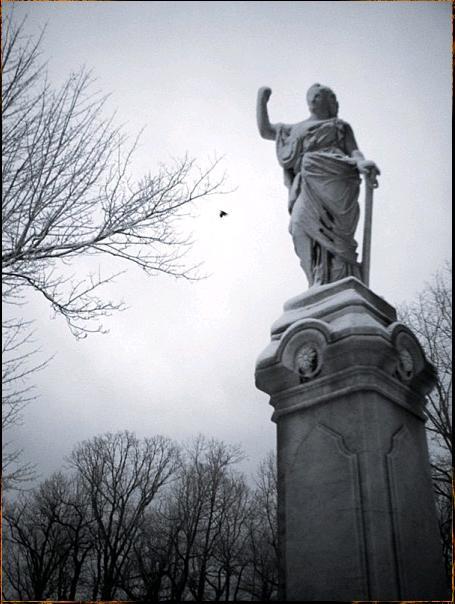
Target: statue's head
322,101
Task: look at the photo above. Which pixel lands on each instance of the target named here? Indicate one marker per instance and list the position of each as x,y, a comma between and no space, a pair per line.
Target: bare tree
195,541
69,503
121,475
18,363
210,462
42,540
67,193
134,520
430,318
230,552
146,573
260,581
179,555
66,189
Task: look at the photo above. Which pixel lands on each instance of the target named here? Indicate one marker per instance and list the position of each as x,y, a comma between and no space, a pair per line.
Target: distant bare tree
67,193
430,318
69,503
46,540
144,573
137,520
260,581
122,475
209,463
230,553
186,548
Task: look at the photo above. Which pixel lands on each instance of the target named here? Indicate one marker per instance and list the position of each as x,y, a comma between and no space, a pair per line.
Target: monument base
356,514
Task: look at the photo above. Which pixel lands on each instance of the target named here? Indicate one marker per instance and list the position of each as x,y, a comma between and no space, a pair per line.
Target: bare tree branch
121,476
430,317
67,194
66,189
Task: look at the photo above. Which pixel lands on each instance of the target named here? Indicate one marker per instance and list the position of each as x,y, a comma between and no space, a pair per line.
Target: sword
371,183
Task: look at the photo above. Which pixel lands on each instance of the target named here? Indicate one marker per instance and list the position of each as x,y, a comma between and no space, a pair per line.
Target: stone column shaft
356,511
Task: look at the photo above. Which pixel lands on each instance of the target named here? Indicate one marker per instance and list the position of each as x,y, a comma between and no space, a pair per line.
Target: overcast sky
180,360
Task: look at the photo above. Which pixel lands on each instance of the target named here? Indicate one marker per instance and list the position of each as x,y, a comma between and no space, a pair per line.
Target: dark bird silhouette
223,213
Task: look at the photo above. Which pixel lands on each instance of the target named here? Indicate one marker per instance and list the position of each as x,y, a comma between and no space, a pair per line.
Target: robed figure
321,164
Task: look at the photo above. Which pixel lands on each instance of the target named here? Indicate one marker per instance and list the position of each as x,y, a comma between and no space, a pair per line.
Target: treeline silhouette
144,520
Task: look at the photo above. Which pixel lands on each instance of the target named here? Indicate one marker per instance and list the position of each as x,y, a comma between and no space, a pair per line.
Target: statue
321,163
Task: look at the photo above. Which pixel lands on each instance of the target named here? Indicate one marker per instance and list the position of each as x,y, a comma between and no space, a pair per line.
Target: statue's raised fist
264,93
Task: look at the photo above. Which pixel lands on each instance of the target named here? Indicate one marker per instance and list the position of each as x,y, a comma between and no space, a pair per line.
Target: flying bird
223,213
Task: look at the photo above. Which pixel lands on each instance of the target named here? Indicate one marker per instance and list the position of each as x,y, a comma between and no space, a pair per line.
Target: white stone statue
321,164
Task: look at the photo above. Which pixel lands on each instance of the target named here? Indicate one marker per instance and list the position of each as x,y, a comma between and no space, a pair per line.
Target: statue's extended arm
266,129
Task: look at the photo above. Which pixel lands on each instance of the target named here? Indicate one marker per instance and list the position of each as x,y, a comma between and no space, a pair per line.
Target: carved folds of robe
324,185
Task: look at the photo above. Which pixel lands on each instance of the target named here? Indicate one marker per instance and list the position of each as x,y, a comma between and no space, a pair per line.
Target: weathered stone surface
321,164
356,512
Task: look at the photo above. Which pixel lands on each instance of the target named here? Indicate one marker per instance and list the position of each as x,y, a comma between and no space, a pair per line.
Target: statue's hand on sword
370,170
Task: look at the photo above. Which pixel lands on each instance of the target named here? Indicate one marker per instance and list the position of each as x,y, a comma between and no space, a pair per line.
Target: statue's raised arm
322,165
266,129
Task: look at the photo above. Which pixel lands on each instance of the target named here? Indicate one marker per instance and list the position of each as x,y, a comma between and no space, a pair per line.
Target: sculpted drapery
323,183
321,164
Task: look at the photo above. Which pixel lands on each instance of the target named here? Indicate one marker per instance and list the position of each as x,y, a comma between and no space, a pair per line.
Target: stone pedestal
357,519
